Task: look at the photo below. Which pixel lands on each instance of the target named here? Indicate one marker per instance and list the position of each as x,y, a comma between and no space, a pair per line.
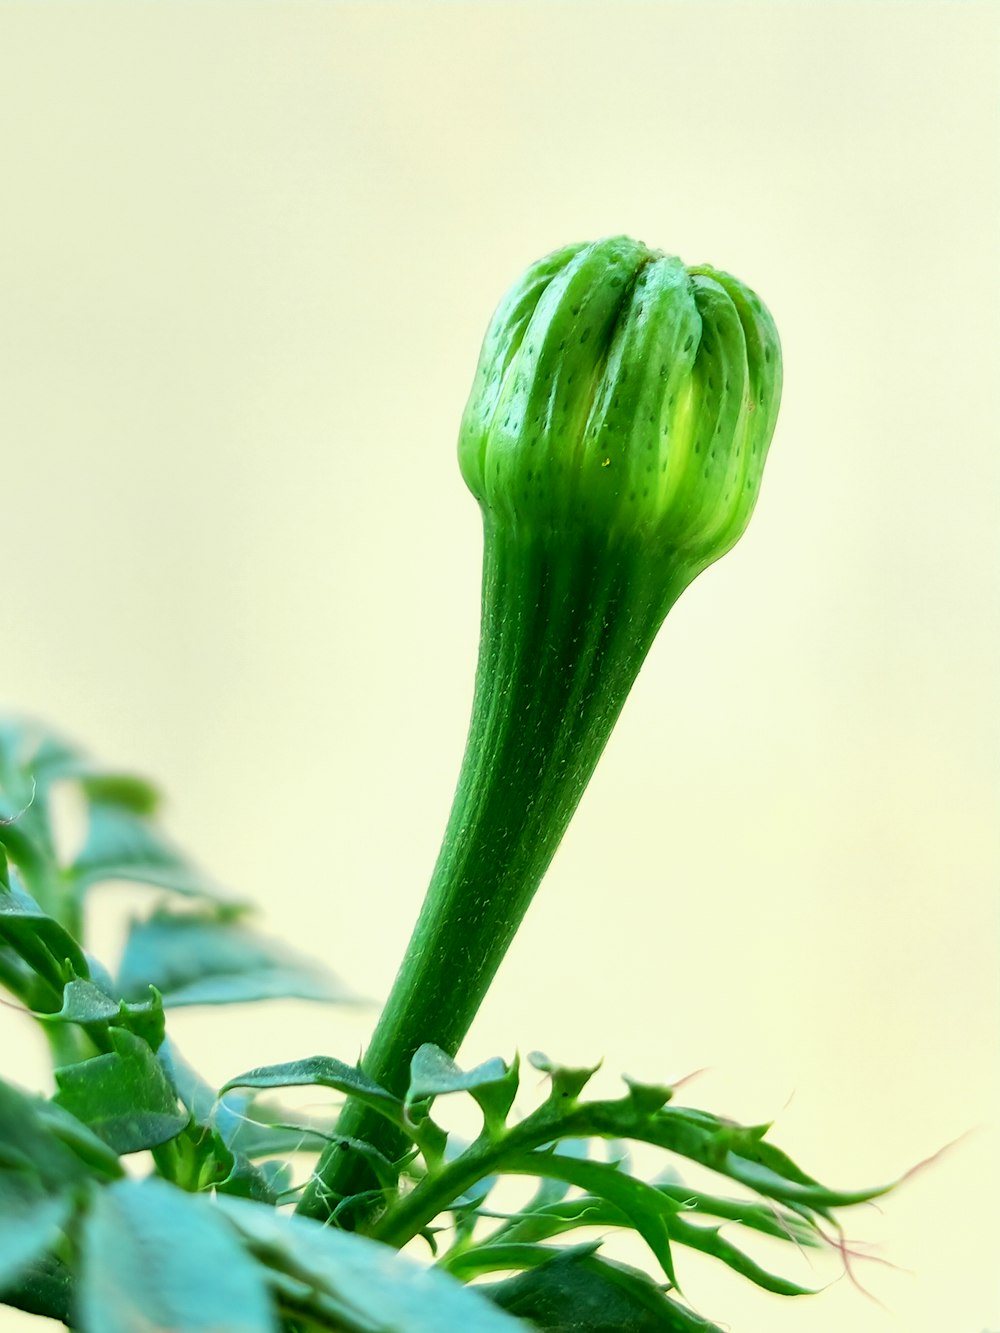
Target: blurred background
247,253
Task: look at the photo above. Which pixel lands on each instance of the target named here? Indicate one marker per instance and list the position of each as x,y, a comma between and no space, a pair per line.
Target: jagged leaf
709,1240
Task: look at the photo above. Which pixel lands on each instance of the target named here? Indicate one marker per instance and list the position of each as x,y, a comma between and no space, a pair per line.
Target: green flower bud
622,393
615,438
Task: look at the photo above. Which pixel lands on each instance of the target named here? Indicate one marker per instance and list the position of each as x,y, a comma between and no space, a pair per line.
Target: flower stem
567,622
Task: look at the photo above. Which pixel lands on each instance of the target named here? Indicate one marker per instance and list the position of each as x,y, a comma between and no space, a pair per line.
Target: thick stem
566,626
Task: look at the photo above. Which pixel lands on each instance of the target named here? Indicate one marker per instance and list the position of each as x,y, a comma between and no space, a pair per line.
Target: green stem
513,1153
567,622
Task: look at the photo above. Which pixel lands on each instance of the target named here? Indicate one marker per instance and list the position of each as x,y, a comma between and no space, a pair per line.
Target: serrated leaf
649,1097
156,1258
121,845
538,1223
205,958
123,1096
388,1292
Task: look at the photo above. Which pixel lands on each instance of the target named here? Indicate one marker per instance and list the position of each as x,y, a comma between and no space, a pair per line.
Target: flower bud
621,393
615,439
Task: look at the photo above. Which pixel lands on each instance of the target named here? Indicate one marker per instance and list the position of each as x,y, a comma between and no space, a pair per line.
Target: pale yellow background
247,252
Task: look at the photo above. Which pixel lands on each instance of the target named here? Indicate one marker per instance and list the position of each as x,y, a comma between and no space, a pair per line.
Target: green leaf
504,1256
45,1140
244,1125
92,1006
709,1240
124,1095
767,1218
567,1082
30,1221
45,1157
37,937
640,1203
156,1258
125,790
208,958
323,1072
84,1003
377,1288
492,1084
576,1292
121,845
43,1287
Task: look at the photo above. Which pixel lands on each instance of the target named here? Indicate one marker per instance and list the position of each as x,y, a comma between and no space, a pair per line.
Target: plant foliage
204,1242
